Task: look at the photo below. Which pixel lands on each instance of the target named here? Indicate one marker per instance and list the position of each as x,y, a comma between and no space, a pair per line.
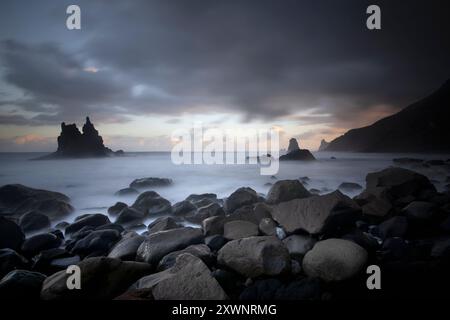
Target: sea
91,183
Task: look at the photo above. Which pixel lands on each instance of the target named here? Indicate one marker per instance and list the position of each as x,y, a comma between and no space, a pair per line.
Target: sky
144,68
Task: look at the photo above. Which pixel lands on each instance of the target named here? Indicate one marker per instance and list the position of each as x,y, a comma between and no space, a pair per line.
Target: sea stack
74,144
295,153
323,145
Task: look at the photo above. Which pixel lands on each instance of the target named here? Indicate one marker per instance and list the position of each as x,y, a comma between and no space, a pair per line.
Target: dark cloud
262,58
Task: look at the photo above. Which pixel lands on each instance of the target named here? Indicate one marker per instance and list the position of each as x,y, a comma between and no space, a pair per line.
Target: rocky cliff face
75,144
323,145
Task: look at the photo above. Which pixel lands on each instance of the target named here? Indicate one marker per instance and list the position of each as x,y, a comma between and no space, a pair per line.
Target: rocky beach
291,243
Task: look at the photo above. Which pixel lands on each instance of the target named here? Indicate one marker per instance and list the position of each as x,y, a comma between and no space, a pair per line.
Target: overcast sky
141,69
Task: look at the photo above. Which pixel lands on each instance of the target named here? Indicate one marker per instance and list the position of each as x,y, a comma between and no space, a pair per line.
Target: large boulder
88,220
33,221
148,183
98,242
117,208
18,199
255,256
126,248
394,183
184,208
239,198
159,244
11,260
202,213
130,217
21,285
11,235
40,242
151,203
334,260
299,245
201,251
162,224
101,278
188,279
239,229
317,214
285,190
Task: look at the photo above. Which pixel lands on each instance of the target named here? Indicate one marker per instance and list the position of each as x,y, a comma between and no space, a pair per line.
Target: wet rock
317,214
126,248
350,186
393,227
99,242
40,242
148,183
210,210
21,285
201,200
334,260
129,216
11,260
213,225
88,220
184,208
299,245
159,244
188,279
200,251
215,242
34,221
102,278
151,203
268,227
162,224
11,235
126,192
117,208
255,256
18,199
239,229
239,198
285,190
377,207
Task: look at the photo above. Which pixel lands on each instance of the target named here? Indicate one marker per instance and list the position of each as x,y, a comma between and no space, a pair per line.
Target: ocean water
91,183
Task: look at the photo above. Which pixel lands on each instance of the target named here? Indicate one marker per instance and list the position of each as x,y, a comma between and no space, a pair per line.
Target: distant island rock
323,145
420,127
74,144
297,154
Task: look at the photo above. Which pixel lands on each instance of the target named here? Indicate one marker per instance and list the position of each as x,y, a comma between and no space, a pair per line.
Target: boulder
102,278
239,198
184,208
99,242
299,245
129,217
40,242
213,225
18,199
377,207
201,251
317,214
268,227
159,244
21,285
151,203
126,248
201,200
34,221
393,227
215,242
350,186
419,210
162,224
255,256
126,192
11,260
285,190
239,229
91,220
202,213
148,183
188,279
117,208
334,260
11,235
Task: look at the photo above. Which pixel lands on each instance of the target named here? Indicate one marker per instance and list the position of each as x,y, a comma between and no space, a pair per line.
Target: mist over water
91,183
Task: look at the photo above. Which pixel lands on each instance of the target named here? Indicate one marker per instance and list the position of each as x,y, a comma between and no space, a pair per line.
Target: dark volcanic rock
305,289
40,242
239,198
293,145
126,192
100,241
130,216
102,278
201,200
33,221
91,220
285,190
11,260
255,256
17,199
202,213
184,208
201,251
21,285
159,244
126,248
162,224
151,203
74,144
350,186
147,183
115,209
215,242
298,155
239,229
11,235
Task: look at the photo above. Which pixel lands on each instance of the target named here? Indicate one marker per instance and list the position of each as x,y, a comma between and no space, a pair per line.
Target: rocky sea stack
295,153
74,144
